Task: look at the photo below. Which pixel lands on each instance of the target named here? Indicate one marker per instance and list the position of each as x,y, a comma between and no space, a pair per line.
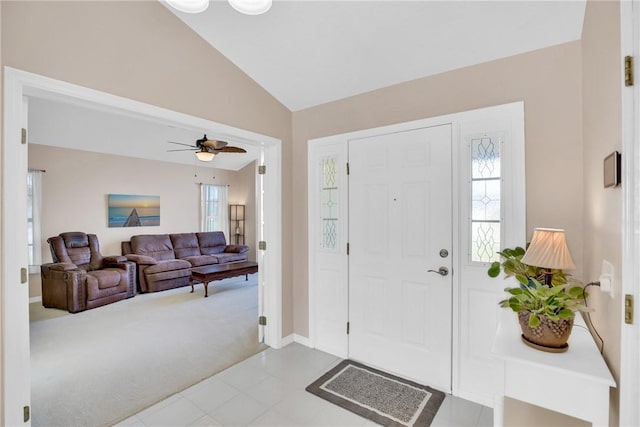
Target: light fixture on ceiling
189,6
205,156
248,7
251,7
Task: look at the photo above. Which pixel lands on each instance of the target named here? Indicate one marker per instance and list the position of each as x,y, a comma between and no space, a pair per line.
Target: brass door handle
443,271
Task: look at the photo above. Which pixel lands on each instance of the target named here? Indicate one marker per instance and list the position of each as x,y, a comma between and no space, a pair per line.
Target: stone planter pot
549,335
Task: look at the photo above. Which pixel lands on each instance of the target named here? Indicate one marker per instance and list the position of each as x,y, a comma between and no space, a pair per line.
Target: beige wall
602,121
76,184
549,83
141,51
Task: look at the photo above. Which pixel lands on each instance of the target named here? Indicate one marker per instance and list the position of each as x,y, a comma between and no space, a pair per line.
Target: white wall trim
35,299
302,340
629,382
15,324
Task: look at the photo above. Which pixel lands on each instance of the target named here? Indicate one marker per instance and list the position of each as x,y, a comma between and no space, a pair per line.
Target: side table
574,383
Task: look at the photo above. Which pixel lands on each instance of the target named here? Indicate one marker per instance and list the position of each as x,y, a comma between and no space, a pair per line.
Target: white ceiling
307,53
88,128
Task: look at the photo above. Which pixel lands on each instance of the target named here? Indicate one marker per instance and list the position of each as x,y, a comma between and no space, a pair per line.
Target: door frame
517,213
629,376
16,386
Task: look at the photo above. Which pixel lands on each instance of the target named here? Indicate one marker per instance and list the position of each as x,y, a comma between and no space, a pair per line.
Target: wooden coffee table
210,273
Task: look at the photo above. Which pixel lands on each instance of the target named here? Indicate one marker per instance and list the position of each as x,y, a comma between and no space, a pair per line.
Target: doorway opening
19,84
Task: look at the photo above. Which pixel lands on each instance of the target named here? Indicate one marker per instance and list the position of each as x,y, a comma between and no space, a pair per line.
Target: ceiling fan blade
183,149
181,143
230,149
215,144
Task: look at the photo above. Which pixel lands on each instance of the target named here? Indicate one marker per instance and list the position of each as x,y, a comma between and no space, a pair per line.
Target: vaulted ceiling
307,53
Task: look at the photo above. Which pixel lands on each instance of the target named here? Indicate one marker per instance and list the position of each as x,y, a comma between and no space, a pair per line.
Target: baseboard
286,340
302,340
35,299
297,339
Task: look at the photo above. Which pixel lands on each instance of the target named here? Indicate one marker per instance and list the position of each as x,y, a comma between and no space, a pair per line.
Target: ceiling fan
206,148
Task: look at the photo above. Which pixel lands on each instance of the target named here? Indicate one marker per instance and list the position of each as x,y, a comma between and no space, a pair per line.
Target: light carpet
381,397
103,365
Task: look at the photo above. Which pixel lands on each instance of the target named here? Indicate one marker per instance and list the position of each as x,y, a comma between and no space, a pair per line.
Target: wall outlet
606,277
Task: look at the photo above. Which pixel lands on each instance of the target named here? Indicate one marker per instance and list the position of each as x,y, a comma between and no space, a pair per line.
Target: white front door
400,226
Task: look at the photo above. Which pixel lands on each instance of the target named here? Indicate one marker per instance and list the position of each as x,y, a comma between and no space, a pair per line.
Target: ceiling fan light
251,7
205,156
189,6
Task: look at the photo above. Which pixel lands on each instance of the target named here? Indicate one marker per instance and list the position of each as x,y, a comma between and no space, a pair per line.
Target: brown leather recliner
80,278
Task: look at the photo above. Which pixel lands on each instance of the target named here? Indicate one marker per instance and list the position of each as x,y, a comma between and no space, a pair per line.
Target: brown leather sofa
165,260
80,278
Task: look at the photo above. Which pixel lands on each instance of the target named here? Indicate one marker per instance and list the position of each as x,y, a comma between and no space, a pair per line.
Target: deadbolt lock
444,253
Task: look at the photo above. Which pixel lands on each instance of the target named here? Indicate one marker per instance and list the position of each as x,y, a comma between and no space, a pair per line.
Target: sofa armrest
114,259
237,249
64,287
141,259
60,266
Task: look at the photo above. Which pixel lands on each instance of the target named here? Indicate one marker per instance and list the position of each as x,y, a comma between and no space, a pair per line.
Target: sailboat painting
125,210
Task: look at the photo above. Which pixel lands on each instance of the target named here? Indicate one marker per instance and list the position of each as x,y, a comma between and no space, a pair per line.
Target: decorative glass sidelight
329,203
485,198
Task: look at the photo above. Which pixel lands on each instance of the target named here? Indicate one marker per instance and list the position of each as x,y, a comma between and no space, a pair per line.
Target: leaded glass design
329,203
485,198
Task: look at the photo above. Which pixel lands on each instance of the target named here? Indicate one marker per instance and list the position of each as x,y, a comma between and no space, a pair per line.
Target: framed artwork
126,210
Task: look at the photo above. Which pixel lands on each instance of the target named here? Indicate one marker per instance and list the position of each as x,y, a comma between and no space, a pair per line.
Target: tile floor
268,389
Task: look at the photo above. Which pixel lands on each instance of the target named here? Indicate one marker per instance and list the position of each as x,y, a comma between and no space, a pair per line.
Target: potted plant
546,300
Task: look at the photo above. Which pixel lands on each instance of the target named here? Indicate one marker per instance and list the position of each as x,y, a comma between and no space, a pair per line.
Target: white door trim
629,377
517,210
14,301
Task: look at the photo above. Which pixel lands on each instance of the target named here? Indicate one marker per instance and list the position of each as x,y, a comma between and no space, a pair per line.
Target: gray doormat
383,398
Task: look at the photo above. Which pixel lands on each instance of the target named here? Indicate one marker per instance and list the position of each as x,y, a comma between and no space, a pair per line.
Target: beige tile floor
268,389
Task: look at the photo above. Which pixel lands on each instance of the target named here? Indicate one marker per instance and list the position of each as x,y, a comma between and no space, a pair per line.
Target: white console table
574,383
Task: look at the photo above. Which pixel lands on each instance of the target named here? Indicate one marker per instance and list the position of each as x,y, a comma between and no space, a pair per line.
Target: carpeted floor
100,366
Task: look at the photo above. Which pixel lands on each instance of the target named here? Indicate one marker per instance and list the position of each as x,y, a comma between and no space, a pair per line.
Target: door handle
443,271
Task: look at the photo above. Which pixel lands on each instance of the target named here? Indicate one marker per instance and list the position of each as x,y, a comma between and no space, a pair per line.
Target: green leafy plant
513,267
561,300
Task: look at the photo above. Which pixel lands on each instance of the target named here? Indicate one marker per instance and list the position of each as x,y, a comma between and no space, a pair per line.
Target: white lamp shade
205,156
189,6
548,249
251,7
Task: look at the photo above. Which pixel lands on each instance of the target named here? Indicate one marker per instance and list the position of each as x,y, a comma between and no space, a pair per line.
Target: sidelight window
329,203
486,216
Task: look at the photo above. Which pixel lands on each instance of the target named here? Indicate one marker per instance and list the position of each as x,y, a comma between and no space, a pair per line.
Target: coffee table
210,273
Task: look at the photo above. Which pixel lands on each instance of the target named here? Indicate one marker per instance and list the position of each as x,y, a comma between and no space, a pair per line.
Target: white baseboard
302,340
35,299
296,338
286,340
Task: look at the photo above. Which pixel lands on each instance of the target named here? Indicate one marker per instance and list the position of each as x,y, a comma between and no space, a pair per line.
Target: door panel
328,242
400,219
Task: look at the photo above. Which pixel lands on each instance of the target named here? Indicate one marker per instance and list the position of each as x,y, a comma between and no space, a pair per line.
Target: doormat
383,398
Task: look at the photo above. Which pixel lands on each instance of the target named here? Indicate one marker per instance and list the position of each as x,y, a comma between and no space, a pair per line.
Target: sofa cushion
230,257
106,278
197,261
167,265
100,285
238,249
211,242
157,246
185,244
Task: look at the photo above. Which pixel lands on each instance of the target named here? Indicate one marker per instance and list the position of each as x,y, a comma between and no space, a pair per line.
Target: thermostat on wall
612,173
